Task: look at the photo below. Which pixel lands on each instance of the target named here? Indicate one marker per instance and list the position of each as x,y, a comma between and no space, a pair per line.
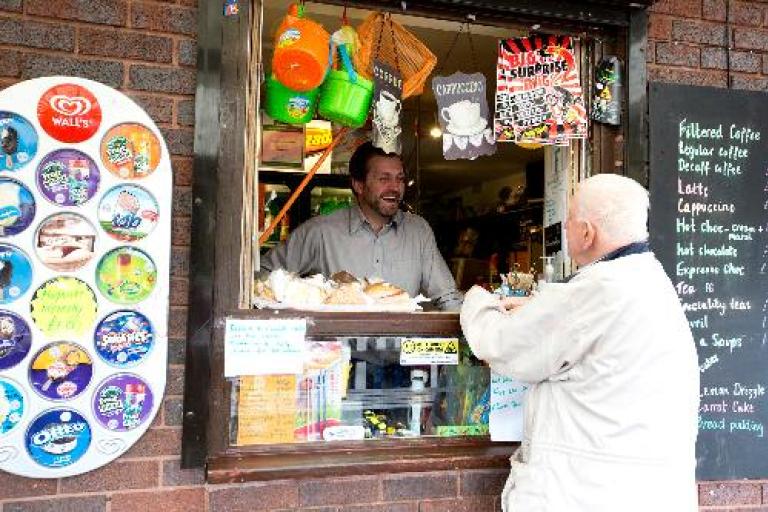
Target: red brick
176,500
478,504
159,108
746,62
710,77
12,486
482,482
687,8
80,504
164,18
10,63
10,31
749,82
677,54
420,486
115,476
180,261
10,5
339,491
181,230
713,58
730,493
714,10
173,411
156,442
180,141
765,64
750,39
104,12
182,171
177,322
179,291
187,52
175,381
185,112
408,506
660,27
173,475
650,52
156,79
106,72
182,201
48,36
746,13
261,496
177,351
698,32
125,45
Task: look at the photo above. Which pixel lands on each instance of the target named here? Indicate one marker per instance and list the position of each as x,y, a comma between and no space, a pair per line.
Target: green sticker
126,275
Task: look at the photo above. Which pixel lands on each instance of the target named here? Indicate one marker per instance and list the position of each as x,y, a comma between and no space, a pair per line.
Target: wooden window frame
221,114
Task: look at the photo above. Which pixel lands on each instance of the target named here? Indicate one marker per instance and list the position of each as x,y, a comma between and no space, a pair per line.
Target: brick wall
688,41
147,49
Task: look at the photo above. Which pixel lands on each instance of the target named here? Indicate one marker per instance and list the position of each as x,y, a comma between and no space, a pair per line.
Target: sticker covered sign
538,91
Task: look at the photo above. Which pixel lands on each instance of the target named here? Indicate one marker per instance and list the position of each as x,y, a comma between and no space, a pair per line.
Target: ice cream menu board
709,227
85,202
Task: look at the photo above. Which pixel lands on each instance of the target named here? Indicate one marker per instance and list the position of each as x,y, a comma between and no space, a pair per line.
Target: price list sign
709,228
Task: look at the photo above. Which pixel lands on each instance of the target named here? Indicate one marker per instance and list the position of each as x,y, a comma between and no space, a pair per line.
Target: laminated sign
463,113
387,94
538,91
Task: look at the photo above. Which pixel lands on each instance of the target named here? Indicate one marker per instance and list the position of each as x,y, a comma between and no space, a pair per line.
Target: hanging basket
289,106
345,97
387,41
301,56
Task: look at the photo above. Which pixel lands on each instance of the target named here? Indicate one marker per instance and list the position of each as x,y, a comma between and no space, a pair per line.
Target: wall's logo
69,113
70,106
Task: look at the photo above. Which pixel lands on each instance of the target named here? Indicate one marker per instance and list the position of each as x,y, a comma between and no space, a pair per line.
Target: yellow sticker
418,351
64,307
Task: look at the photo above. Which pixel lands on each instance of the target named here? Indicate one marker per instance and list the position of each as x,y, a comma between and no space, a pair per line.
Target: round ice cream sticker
58,438
12,405
15,273
130,151
17,207
122,402
67,177
124,338
18,141
69,113
61,370
65,241
126,275
64,308
15,339
128,213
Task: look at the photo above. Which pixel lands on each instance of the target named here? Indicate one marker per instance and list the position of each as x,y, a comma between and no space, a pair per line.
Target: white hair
617,205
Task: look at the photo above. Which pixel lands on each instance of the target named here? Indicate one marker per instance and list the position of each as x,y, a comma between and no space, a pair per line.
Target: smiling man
374,238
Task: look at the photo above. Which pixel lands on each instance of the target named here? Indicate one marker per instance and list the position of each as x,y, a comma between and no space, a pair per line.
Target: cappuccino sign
463,113
69,113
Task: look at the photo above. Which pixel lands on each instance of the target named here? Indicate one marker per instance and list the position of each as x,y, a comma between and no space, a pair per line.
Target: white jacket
611,413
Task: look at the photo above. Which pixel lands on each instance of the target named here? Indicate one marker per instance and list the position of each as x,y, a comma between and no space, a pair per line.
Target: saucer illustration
467,130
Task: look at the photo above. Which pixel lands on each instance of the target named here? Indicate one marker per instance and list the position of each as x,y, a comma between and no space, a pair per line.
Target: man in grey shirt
373,238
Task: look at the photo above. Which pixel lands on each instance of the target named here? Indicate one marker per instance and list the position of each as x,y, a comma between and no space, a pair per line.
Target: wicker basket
387,41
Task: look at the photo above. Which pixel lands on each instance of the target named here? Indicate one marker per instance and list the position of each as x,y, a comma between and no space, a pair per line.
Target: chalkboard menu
709,227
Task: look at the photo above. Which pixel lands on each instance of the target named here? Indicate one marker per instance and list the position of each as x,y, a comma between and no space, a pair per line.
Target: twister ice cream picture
126,275
122,402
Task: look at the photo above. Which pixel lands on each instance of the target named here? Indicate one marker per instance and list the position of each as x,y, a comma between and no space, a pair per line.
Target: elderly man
611,412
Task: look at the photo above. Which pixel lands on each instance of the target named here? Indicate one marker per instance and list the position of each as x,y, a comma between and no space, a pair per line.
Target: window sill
357,458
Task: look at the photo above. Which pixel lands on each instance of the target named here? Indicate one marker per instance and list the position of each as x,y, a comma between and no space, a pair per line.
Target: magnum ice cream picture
65,241
15,273
15,339
18,141
463,115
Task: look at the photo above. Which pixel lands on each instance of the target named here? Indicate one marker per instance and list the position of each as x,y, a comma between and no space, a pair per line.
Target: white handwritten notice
505,421
264,347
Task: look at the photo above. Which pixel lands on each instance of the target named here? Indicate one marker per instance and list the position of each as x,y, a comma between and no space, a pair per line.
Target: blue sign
58,438
124,338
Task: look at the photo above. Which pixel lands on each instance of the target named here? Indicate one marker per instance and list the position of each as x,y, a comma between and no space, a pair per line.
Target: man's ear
357,187
589,235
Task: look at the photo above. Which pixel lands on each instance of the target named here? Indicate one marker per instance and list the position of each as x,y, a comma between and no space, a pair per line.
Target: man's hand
507,304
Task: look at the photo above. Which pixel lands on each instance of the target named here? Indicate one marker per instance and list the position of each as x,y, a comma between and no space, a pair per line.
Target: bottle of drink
418,379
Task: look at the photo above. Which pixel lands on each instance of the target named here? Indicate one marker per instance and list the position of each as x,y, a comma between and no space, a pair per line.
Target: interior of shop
486,213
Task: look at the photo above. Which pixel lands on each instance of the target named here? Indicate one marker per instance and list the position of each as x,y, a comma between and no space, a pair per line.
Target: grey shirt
403,253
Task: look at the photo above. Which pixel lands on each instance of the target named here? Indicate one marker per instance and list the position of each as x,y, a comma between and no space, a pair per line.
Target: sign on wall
85,210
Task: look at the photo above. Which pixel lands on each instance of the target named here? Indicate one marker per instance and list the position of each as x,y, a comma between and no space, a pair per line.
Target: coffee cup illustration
463,118
388,107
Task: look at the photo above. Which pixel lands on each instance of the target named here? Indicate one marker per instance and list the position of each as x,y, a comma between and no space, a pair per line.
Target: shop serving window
362,391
